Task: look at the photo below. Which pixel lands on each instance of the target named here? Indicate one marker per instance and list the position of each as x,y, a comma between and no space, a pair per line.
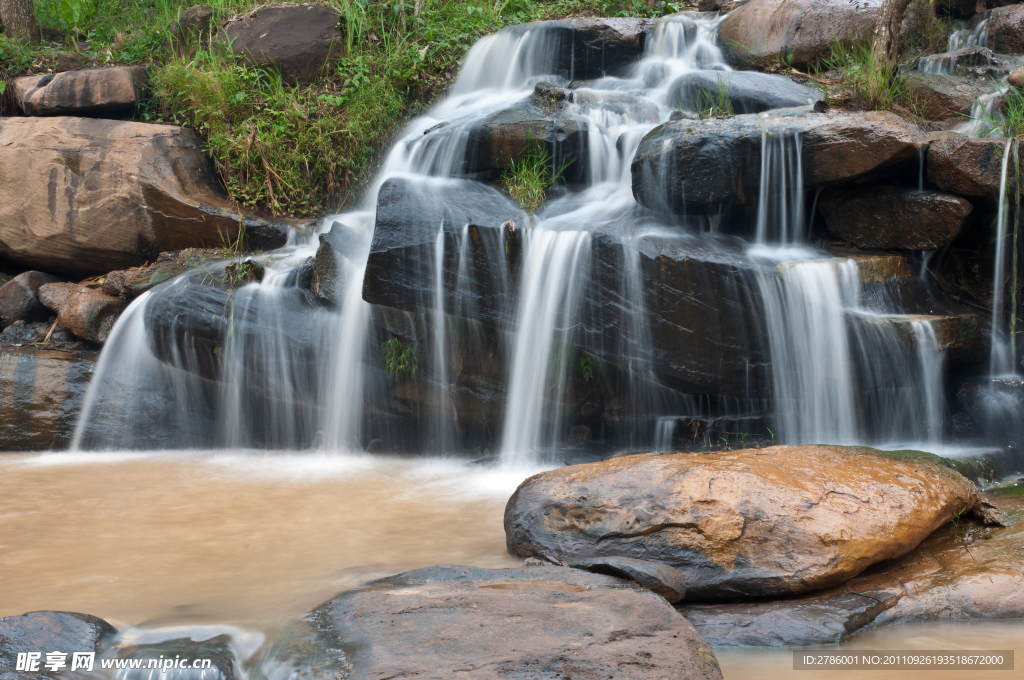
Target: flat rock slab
975,577
754,522
85,92
48,631
537,622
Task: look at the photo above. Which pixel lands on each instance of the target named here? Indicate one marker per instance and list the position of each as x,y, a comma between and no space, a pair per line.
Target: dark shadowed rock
87,92
84,197
47,631
1006,29
976,576
538,622
967,166
996,405
747,91
690,165
19,301
41,395
20,333
894,217
794,32
655,576
296,41
190,30
755,522
939,97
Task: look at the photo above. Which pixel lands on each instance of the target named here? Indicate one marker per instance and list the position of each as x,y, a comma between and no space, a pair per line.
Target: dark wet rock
19,301
529,622
974,576
87,92
1006,29
507,136
763,33
894,217
939,97
967,166
655,576
996,405
585,48
217,649
82,197
401,271
296,41
692,165
962,61
83,311
737,523
48,631
190,31
128,284
20,333
747,91
328,271
243,273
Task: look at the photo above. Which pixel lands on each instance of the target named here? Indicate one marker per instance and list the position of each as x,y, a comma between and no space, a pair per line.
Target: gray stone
19,299
657,577
48,631
746,91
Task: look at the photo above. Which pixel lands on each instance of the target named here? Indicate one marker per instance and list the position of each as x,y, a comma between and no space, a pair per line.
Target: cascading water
1001,356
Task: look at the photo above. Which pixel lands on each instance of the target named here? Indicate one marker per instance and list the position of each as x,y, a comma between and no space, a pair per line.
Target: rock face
81,93
84,197
85,312
799,32
295,41
690,165
941,97
41,395
746,91
755,522
974,577
1006,29
19,301
968,167
449,621
894,217
47,632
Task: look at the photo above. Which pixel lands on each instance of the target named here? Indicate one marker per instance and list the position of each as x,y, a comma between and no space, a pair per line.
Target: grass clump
714,104
399,359
529,177
876,85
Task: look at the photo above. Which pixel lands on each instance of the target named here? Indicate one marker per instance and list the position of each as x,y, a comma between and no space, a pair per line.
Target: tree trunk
20,19
887,31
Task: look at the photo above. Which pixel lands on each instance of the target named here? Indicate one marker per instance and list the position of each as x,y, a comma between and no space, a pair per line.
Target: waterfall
549,293
780,203
1001,356
930,361
959,40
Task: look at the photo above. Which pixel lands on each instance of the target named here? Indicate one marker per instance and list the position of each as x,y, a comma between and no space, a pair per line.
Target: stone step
955,331
871,268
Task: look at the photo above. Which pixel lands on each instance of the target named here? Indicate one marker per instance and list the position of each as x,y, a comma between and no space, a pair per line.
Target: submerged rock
19,298
296,41
112,89
41,396
83,196
448,621
781,520
968,166
746,91
959,573
691,165
48,631
894,217
797,33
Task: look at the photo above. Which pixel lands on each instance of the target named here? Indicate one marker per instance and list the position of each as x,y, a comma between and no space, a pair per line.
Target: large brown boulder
970,571
755,522
939,97
19,301
86,92
83,311
796,32
968,166
894,217
1006,29
539,622
82,197
41,396
296,41
693,164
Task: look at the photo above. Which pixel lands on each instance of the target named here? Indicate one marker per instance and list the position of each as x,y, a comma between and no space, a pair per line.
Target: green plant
714,104
399,359
878,86
586,366
528,178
